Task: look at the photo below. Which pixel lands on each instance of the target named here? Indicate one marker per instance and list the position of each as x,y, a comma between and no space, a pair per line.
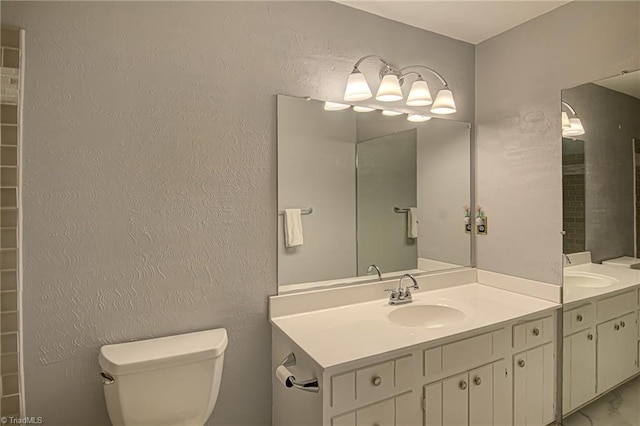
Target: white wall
519,76
316,168
150,175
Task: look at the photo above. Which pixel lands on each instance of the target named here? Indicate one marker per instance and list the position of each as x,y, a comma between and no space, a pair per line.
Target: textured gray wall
150,175
386,178
519,76
611,121
444,156
316,167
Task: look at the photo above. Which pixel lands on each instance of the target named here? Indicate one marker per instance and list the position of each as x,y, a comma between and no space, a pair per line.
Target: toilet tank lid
162,352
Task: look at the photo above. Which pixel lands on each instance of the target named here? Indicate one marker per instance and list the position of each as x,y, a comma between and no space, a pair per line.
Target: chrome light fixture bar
390,88
571,126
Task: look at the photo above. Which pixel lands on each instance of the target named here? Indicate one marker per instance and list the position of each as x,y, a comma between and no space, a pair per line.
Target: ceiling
471,21
628,83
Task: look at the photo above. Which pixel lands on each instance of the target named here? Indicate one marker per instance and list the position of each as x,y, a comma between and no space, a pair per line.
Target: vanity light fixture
390,113
360,108
392,79
571,126
418,118
335,106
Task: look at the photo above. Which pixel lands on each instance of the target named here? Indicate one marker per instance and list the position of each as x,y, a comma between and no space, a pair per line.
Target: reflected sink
428,316
588,280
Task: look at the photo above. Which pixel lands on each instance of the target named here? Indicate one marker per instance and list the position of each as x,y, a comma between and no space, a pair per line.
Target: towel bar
302,211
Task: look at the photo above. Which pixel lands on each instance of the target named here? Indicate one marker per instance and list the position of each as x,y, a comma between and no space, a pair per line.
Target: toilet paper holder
284,375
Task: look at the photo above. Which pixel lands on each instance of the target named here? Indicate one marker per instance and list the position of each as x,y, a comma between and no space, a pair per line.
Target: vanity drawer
533,333
465,353
371,383
615,306
579,318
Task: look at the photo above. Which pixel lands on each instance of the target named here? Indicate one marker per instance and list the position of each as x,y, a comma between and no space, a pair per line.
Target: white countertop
343,334
627,278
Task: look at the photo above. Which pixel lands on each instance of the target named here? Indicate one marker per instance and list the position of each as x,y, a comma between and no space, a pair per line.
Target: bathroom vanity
600,327
462,353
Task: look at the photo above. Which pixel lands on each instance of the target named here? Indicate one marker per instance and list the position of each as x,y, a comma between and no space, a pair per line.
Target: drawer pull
536,331
477,380
463,385
616,327
579,317
589,336
521,363
622,324
376,381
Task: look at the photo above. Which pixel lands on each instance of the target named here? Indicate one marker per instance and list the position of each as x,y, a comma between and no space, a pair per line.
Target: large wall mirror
601,218
372,189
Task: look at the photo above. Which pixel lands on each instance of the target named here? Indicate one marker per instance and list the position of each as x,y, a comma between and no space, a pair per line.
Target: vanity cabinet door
617,351
533,386
579,381
455,400
481,396
380,414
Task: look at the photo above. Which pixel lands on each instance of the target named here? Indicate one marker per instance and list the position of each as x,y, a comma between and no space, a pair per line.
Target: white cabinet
391,412
479,397
579,369
533,386
617,351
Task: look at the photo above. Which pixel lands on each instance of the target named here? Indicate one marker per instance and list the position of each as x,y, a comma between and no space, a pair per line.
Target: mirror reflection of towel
293,228
412,223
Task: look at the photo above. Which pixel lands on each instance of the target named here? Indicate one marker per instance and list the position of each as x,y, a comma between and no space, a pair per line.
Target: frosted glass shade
360,108
565,121
335,106
576,128
391,113
357,88
418,118
419,95
444,103
389,89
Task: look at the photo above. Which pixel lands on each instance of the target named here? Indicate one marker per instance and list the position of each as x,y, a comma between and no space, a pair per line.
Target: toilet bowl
166,381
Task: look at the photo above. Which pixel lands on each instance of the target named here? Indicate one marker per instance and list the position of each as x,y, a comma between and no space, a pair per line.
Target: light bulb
419,95
390,113
357,87
444,103
389,89
576,128
335,106
418,118
359,108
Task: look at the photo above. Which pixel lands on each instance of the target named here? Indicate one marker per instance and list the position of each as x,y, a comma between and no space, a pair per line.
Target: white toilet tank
171,380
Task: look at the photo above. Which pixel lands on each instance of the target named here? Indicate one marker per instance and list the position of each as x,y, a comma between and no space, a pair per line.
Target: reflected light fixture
575,127
418,118
390,113
390,89
360,108
335,106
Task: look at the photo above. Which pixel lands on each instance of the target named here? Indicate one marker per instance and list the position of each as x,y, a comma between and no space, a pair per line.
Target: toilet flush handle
107,379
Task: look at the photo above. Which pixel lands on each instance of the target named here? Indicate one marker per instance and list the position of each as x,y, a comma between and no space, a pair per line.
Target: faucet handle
394,293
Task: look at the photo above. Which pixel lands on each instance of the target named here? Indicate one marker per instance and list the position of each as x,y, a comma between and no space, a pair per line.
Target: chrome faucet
402,294
566,258
372,267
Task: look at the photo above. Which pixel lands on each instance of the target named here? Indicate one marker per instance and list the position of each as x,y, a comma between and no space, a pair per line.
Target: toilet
170,380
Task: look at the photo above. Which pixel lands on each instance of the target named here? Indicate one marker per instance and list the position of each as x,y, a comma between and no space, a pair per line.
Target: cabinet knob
536,331
521,363
376,381
463,385
579,317
589,336
616,327
477,380
622,324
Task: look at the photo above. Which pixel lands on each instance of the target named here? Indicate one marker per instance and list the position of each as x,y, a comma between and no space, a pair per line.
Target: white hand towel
293,228
412,223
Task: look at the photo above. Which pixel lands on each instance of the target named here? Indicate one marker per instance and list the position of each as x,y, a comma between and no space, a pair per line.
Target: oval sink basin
588,280
428,316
